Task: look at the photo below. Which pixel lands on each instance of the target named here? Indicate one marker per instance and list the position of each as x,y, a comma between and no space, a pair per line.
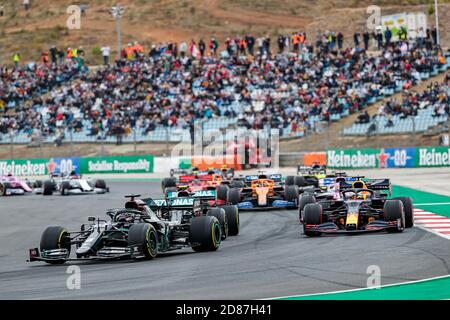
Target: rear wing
190,178
200,194
309,169
176,203
373,184
276,177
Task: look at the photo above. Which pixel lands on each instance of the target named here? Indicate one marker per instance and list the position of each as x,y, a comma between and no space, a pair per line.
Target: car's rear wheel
409,210
305,199
233,196
300,181
205,233
47,188
3,188
55,237
312,215
65,187
291,193
145,236
232,214
37,184
220,214
289,181
100,184
168,182
222,191
394,211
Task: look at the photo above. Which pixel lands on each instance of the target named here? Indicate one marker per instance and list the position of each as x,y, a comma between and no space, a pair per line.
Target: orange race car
263,191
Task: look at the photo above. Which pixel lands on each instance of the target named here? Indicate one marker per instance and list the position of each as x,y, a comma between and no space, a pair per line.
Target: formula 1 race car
360,208
135,231
225,172
204,201
263,191
69,184
11,185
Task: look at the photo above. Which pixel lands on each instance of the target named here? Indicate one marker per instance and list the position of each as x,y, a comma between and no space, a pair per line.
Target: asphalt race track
269,258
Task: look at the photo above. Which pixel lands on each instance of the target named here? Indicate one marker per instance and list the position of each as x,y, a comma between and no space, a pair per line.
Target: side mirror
91,219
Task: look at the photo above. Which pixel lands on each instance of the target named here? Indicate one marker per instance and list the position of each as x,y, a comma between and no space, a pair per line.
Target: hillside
148,21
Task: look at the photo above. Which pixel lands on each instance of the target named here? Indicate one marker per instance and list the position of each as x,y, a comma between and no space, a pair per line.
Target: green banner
353,158
432,157
122,164
31,167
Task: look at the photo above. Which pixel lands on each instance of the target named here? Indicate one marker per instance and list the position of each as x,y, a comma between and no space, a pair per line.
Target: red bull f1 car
355,207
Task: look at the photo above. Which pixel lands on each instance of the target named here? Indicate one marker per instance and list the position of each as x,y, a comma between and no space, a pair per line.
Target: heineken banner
388,158
353,158
32,167
432,157
38,167
125,164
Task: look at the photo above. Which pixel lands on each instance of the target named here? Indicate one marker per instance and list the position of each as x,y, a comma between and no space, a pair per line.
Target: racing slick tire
55,237
145,235
394,210
65,185
232,214
409,210
291,193
220,214
168,182
237,184
289,181
300,181
37,184
233,196
305,199
205,233
3,188
312,214
169,189
47,188
100,184
222,191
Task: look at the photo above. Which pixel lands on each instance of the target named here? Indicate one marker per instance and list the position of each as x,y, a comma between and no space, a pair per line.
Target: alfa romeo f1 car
135,231
70,184
360,207
263,191
11,185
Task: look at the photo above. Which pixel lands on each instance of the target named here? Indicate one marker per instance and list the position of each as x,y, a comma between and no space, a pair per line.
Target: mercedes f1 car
135,231
70,184
263,191
206,200
11,185
356,207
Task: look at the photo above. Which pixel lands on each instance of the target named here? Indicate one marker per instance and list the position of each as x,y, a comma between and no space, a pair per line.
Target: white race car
70,184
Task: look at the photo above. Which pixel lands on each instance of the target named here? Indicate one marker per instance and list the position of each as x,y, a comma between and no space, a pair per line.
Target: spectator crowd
173,85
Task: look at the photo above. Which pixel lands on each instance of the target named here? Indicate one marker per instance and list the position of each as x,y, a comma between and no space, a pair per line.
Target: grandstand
229,93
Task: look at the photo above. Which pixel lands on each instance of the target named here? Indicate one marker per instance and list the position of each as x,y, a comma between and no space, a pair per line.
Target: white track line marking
360,289
432,204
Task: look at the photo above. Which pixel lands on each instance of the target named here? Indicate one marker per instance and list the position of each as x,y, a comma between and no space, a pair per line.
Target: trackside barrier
417,157
119,164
